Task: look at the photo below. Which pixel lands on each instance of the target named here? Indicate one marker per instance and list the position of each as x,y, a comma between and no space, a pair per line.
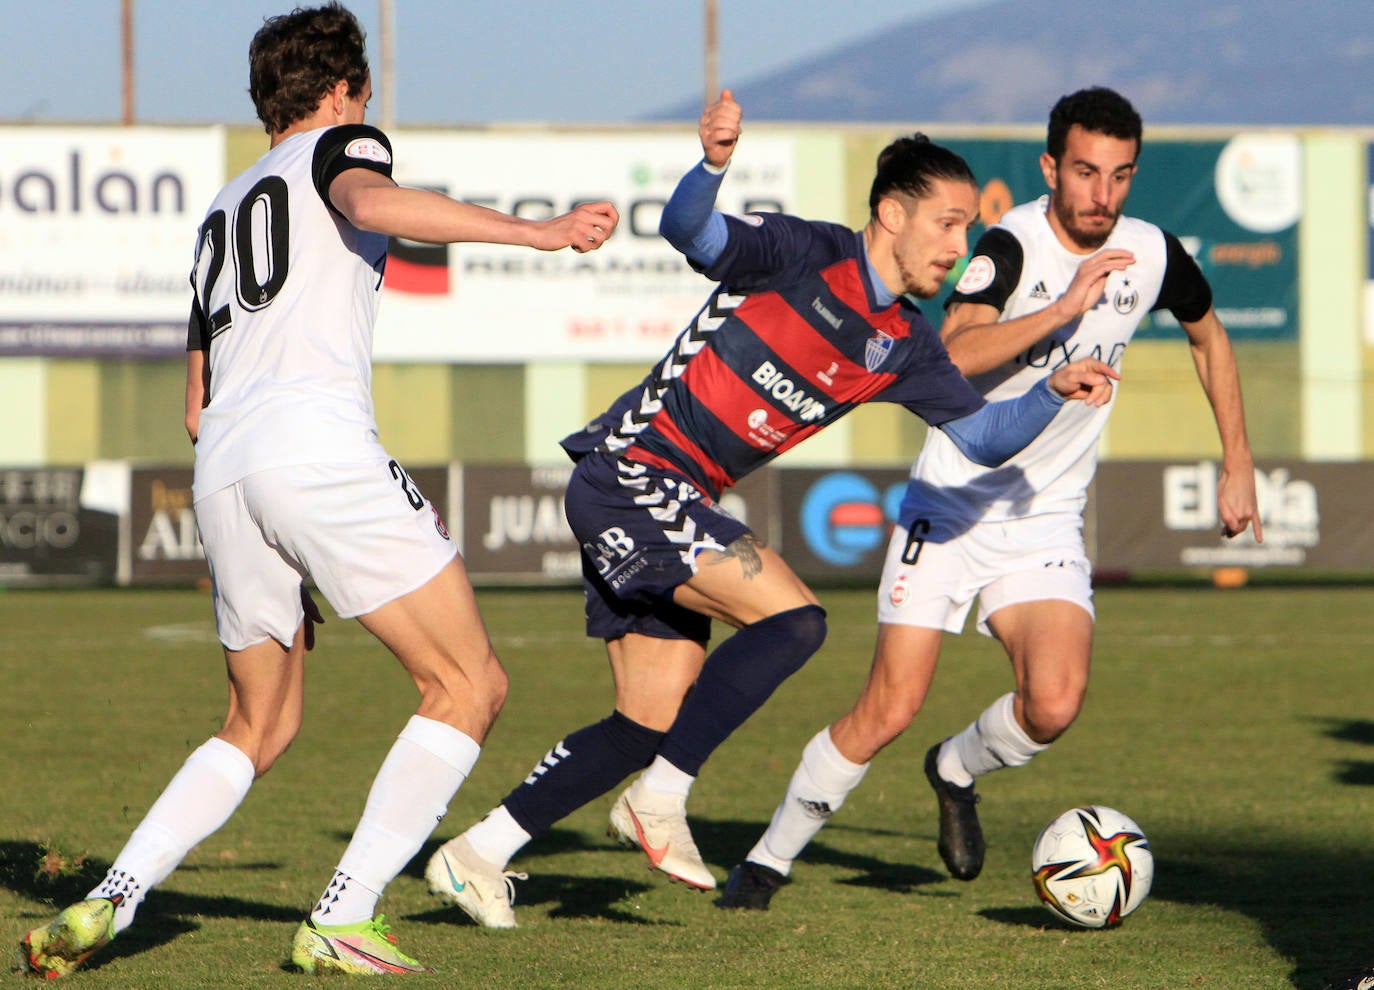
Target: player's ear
1049,168
891,214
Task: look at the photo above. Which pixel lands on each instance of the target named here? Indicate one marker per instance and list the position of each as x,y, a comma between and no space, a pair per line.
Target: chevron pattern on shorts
674,523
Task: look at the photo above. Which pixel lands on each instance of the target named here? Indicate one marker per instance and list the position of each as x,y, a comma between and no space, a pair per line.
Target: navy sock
738,677
581,767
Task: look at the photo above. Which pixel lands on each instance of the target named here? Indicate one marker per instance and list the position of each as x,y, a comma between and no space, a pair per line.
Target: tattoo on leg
745,550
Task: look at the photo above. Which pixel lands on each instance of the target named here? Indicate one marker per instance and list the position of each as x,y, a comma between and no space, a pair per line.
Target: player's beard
1088,240
921,288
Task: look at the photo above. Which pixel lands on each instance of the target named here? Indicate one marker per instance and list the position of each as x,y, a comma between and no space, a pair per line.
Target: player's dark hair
296,58
1096,109
910,164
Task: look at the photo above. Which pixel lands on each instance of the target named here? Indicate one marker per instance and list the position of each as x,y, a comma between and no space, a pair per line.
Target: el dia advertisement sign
1235,206
515,532
1163,514
49,534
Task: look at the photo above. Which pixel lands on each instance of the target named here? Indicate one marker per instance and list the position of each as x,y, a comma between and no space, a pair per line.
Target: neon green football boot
67,941
366,948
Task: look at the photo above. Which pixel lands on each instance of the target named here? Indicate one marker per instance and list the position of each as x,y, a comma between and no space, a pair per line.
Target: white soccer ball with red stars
1092,866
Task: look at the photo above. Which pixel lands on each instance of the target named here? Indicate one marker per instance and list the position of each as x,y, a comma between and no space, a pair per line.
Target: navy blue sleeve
348,146
1000,430
773,250
1000,249
1184,291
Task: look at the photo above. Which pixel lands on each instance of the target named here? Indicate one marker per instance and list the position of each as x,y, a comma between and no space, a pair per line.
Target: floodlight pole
126,29
387,35
712,70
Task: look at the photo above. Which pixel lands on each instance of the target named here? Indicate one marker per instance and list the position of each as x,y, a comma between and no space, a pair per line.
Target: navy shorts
640,529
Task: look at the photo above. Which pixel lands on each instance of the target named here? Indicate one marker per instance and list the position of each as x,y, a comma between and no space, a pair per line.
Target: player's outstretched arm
374,202
977,342
1216,370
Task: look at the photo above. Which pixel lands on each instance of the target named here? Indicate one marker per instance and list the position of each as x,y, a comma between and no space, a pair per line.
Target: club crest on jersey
877,349
368,148
1125,299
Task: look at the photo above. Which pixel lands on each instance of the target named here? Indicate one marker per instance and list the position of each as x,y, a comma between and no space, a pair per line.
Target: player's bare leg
439,638
1049,643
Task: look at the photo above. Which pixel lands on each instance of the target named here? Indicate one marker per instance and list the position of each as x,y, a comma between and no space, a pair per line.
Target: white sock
427,764
994,741
819,787
497,837
197,801
665,778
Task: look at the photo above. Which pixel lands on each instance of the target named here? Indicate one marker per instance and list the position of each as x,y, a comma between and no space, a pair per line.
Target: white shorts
933,585
362,532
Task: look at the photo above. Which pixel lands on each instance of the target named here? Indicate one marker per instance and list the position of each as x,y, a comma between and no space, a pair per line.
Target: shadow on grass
30,870
571,896
1314,904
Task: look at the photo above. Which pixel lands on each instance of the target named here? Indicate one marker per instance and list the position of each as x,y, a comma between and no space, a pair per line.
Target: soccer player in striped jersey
292,482
1063,276
809,320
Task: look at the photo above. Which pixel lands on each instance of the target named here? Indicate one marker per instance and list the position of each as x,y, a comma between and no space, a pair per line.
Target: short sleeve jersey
1019,266
792,339
286,294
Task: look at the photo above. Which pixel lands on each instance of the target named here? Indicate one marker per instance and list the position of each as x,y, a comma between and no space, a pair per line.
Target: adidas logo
1038,291
816,809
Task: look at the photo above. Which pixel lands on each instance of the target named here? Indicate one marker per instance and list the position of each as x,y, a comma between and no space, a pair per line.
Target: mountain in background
1265,62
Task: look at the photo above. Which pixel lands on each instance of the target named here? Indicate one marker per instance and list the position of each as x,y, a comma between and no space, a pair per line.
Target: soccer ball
1092,866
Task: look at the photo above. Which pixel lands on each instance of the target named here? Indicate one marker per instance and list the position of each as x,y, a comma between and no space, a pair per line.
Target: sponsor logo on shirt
369,149
1038,291
762,433
788,393
977,276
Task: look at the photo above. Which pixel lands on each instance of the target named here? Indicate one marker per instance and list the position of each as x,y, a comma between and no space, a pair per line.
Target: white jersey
1020,267
286,294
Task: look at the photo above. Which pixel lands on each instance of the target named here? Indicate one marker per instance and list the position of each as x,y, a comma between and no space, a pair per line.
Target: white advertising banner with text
497,304
97,233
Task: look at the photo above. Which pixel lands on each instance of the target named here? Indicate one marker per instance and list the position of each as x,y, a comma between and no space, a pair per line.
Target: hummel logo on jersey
826,315
1038,291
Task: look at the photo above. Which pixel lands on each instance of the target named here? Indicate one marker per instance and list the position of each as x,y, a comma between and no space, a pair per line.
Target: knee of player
1049,718
481,684
807,627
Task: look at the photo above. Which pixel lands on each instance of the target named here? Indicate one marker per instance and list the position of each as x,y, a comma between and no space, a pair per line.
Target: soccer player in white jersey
1066,276
291,482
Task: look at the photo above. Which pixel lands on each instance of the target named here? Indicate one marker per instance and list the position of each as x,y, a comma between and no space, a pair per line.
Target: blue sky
457,61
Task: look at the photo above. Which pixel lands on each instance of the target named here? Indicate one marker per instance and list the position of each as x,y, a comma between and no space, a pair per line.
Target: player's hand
312,618
1088,380
719,129
1236,502
584,228
1090,281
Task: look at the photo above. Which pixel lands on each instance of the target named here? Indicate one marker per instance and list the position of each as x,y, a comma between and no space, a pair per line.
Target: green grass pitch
1237,727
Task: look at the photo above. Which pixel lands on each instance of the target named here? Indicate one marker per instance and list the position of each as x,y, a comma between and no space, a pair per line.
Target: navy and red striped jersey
791,340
